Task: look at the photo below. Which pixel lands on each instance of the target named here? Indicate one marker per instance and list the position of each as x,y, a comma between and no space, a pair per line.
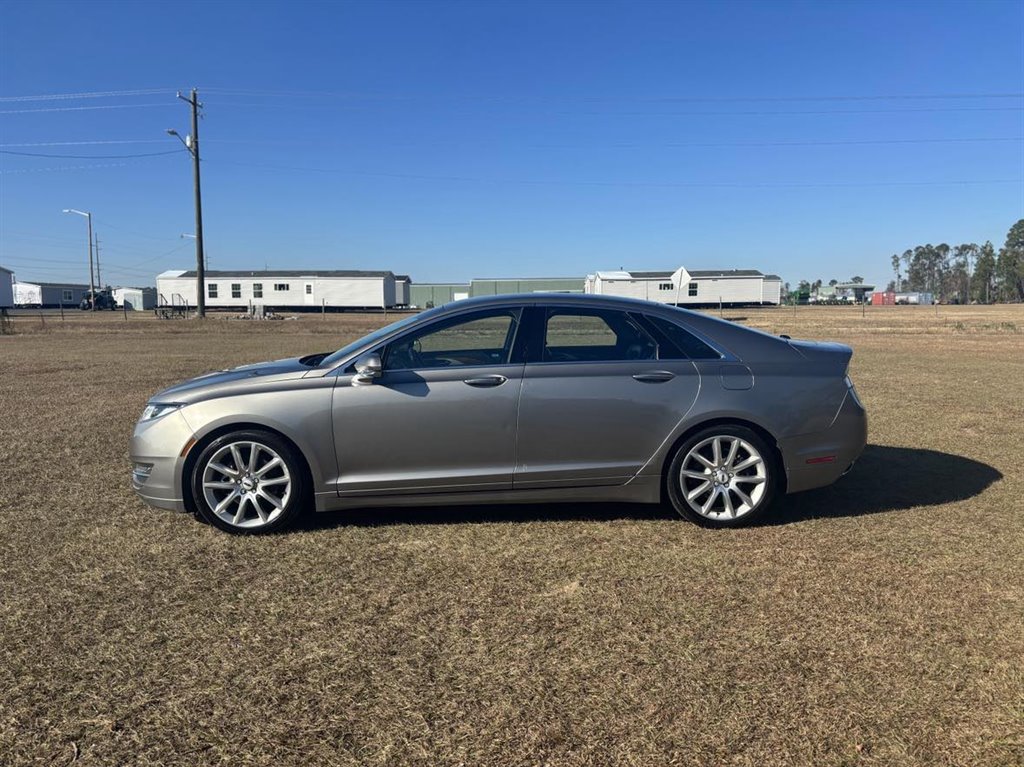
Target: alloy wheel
246,484
723,477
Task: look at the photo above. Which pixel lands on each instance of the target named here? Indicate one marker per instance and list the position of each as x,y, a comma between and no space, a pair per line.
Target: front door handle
484,382
655,376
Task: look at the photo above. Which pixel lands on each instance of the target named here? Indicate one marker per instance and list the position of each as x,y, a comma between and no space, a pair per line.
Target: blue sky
475,139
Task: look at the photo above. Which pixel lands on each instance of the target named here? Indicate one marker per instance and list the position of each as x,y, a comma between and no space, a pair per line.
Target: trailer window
68,295
236,290
257,290
211,290
281,287
691,290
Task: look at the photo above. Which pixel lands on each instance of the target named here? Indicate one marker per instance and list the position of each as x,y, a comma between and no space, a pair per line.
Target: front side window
257,290
692,290
595,335
478,339
236,290
211,289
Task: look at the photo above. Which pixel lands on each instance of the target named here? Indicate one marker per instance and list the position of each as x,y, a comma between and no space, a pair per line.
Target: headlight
157,409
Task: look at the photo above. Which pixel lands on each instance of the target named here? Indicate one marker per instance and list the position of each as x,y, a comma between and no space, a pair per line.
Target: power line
783,143
854,142
81,109
89,143
630,184
638,99
136,234
695,113
29,266
89,95
55,168
89,156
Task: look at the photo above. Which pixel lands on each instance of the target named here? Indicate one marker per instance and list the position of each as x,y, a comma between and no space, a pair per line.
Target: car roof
562,299
742,341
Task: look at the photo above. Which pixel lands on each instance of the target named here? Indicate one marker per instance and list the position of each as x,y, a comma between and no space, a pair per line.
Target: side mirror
368,369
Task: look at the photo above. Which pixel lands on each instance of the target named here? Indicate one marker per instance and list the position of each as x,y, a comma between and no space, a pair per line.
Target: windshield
376,335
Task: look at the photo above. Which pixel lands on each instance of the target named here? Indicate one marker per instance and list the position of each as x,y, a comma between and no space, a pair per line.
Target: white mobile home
771,290
49,294
685,287
402,283
136,299
6,288
281,289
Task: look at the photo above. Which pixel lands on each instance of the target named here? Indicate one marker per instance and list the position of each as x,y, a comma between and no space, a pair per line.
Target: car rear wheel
723,476
249,482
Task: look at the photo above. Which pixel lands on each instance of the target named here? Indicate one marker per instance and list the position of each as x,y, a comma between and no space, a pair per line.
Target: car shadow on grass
890,479
884,479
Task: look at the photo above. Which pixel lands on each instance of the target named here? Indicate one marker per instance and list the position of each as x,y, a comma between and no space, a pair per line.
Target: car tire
723,476
249,482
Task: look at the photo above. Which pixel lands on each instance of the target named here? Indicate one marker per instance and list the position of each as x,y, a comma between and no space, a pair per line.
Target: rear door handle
655,376
484,382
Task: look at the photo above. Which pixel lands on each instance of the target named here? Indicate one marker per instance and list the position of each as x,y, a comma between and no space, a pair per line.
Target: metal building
48,294
281,289
506,286
697,287
6,288
136,299
426,295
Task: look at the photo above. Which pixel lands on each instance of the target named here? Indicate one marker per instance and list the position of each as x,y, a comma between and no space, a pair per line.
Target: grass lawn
876,622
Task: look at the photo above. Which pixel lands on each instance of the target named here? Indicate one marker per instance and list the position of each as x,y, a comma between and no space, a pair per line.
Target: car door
601,393
442,415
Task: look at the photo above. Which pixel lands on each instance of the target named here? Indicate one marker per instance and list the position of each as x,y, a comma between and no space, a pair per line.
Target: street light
92,287
206,256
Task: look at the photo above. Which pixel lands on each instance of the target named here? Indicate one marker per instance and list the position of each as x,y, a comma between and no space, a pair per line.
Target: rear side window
687,345
594,335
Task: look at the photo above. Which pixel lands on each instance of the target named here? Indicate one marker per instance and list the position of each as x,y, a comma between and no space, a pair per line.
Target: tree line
964,273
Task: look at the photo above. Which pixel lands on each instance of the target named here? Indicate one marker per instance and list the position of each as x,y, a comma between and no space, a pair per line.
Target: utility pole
99,279
191,143
92,284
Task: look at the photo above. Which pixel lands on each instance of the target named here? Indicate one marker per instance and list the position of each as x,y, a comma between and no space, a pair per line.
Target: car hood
209,383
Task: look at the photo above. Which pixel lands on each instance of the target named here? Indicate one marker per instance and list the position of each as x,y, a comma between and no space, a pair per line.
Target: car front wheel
249,482
722,476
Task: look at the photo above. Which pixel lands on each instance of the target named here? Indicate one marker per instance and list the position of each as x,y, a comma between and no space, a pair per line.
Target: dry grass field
877,622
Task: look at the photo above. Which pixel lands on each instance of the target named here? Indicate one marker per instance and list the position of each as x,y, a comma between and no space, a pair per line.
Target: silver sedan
510,399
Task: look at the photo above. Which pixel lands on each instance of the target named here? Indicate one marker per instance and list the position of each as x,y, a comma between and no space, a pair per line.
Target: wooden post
323,307
61,311
124,308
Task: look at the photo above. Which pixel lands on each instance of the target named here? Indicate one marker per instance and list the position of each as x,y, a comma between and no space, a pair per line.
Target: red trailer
883,298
